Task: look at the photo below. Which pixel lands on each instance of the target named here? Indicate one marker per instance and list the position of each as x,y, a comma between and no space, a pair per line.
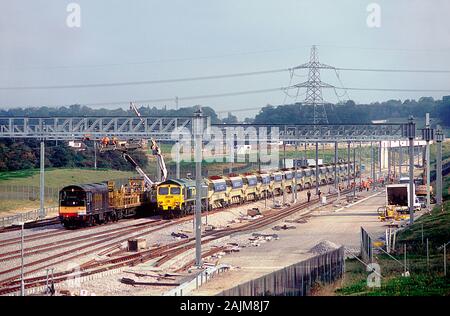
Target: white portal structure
385,145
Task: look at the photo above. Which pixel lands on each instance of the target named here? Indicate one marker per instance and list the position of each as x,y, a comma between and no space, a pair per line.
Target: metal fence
366,247
297,279
200,279
26,217
31,193
27,192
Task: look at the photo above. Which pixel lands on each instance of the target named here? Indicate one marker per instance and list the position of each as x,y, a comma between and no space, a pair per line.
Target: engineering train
99,203
176,197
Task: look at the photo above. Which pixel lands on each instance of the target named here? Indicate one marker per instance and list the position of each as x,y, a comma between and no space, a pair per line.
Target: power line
147,82
389,49
197,97
155,61
392,89
395,70
213,77
247,92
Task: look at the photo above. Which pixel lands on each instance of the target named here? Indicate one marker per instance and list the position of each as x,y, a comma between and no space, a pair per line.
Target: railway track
39,223
35,250
164,253
98,244
73,241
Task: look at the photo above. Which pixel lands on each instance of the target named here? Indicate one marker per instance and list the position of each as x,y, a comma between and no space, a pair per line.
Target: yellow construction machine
397,203
392,212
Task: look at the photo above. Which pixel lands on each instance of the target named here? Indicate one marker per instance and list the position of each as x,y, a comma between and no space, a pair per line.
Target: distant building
379,121
290,163
77,145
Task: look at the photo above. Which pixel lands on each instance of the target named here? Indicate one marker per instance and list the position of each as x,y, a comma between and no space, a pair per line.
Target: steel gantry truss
326,132
162,128
69,128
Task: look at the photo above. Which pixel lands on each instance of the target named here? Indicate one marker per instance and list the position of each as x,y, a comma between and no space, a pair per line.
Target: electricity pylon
314,86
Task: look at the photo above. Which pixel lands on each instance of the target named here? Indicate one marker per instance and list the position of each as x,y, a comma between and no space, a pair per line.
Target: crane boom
156,151
136,111
147,180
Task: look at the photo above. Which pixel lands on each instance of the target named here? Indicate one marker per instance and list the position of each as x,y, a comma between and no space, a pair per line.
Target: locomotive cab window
73,198
175,190
163,191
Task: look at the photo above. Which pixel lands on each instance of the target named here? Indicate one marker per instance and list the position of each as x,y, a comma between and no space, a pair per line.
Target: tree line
77,110
19,154
350,112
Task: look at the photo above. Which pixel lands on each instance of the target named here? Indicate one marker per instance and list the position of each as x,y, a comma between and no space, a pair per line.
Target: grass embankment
57,178
9,207
24,183
445,151
426,276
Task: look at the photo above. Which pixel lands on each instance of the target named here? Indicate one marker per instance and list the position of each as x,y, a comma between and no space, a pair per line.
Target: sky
139,40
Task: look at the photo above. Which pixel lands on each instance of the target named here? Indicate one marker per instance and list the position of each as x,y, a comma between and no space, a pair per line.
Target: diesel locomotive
99,203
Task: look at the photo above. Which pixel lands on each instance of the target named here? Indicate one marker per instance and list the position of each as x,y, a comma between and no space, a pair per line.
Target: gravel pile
323,247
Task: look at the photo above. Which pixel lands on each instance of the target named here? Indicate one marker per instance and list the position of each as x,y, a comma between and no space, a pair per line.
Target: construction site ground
335,224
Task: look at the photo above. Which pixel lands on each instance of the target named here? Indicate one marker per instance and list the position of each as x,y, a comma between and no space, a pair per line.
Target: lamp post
439,139
409,131
198,136
428,135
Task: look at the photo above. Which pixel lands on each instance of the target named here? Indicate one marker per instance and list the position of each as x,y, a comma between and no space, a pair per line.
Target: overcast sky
149,40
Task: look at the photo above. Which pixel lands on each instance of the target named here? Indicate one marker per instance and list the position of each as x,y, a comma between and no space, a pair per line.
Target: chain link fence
32,193
27,192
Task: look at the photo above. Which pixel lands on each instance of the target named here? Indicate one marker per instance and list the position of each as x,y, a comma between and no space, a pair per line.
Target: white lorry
397,195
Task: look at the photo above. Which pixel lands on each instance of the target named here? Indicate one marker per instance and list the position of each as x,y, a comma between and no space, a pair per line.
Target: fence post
445,259
404,256
422,233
